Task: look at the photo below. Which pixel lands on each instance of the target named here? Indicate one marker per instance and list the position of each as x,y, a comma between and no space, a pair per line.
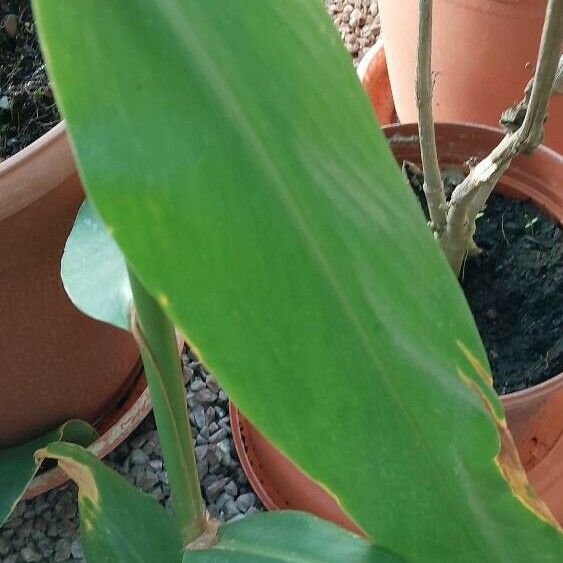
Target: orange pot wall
484,52
56,363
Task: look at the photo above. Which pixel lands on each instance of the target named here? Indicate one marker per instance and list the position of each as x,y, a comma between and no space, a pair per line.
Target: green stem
156,337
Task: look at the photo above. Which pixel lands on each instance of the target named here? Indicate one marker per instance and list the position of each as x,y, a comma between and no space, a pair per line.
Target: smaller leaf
93,271
18,466
293,537
119,523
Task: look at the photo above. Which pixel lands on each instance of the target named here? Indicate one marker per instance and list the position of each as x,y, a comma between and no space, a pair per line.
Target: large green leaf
94,273
231,151
18,466
118,523
291,537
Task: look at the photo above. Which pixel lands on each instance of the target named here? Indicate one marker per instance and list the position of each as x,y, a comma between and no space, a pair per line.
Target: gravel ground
358,23
45,529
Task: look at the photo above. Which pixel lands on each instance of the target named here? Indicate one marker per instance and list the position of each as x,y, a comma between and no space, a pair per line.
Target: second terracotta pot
57,363
534,416
483,54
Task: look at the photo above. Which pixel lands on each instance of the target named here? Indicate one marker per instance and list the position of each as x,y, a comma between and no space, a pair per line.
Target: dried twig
470,196
433,185
558,84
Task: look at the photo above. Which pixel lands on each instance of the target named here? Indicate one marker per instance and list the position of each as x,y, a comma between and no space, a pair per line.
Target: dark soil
515,289
27,107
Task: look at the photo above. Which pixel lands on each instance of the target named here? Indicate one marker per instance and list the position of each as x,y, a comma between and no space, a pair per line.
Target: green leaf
18,466
229,147
118,523
93,271
288,536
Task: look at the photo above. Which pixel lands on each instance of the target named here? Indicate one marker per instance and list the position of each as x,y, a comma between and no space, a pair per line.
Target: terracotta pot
542,404
374,76
113,429
534,416
484,52
56,362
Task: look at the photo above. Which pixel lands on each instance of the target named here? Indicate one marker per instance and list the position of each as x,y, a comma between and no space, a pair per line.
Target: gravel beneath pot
46,529
358,23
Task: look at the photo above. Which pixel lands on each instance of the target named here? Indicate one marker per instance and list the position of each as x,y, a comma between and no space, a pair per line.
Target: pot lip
534,392
542,149
369,55
35,171
237,421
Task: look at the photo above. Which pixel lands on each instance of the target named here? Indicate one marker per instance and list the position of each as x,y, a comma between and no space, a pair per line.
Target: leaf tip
80,473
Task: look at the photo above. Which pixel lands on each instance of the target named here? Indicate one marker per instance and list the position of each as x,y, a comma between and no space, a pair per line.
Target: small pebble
199,416
62,551
29,555
244,502
139,457
231,488
76,549
215,489
230,509
197,385
205,396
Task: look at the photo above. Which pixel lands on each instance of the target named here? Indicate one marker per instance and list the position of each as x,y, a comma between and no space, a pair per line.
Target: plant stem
469,198
558,84
433,185
156,338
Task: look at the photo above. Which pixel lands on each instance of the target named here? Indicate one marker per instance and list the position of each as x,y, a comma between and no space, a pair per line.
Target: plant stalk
156,338
433,185
469,198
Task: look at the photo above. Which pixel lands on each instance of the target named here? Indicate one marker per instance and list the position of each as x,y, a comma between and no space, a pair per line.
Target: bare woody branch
470,196
433,185
558,84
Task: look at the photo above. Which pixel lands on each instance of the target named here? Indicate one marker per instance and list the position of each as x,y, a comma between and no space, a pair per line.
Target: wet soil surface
27,106
515,288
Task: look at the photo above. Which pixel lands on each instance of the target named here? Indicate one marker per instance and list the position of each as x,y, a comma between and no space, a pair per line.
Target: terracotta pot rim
241,447
27,152
369,55
27,176
552,153
543,388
